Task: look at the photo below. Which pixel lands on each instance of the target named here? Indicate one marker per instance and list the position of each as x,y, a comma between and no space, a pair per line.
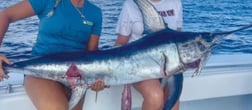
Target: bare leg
176,106
152,94
46,94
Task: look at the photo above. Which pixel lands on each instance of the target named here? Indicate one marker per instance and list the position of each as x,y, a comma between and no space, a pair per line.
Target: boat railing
11,88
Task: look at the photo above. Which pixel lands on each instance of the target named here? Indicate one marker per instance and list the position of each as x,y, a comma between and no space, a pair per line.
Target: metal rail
11,88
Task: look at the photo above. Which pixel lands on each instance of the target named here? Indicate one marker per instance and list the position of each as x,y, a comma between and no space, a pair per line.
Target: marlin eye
201,46
185,45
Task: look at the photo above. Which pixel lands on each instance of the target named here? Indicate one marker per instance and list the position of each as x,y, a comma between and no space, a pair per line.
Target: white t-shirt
130,21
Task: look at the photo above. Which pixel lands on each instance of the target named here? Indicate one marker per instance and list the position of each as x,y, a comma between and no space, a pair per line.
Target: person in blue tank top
64,26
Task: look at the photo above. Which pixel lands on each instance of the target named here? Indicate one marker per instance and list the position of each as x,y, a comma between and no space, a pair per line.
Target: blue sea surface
199,16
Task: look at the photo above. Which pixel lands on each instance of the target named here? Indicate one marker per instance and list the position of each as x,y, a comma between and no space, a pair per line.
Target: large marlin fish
157,55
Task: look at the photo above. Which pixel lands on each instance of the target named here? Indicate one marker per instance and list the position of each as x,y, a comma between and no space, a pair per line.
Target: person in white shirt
130,27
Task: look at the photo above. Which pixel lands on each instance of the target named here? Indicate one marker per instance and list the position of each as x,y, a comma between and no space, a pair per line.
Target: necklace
54,8
84,21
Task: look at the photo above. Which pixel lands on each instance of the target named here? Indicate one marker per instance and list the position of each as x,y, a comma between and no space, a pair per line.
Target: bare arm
93,43
11,14
121,40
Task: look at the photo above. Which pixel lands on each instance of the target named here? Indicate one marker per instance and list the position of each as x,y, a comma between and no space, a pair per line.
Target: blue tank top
64,31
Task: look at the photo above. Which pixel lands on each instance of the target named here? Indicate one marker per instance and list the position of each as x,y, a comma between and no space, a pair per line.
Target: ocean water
199,16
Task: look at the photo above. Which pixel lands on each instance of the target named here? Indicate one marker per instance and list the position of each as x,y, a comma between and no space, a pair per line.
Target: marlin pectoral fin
126,98
78,92
164,62
175,85
201,64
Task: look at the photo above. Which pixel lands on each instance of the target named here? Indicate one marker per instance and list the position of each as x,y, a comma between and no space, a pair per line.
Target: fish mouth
194,64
